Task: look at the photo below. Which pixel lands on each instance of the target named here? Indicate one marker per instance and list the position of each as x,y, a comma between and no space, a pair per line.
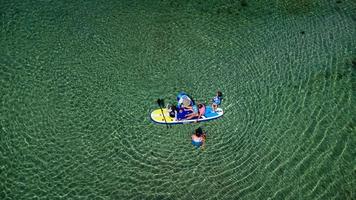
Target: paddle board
157,117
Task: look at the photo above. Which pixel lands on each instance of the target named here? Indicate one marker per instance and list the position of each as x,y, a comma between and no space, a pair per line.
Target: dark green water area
78,80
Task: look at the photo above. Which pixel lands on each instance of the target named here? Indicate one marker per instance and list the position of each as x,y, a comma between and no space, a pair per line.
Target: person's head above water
199,132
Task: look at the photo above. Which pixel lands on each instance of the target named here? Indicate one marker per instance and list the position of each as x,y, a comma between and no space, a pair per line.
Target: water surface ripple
78,81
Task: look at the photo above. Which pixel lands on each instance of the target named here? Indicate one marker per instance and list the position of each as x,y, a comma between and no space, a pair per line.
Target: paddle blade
160,102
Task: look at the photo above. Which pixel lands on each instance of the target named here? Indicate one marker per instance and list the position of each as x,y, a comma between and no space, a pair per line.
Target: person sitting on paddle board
172,110
198,138
184,110
217,100
184,100
197,111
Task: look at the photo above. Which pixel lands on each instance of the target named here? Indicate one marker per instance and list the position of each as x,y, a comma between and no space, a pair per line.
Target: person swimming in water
198,138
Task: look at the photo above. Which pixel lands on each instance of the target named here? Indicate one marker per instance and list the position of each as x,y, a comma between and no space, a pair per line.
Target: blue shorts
217,100
196,144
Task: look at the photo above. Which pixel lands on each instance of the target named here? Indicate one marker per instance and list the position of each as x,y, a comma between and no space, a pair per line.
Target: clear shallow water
78,81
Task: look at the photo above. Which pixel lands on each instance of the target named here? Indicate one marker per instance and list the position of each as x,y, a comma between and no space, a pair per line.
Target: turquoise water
79,80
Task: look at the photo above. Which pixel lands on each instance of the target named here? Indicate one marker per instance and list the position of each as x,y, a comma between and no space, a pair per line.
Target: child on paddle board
184,100
217,100
197,112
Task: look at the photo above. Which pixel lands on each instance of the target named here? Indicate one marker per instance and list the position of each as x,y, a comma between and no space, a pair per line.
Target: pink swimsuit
202,110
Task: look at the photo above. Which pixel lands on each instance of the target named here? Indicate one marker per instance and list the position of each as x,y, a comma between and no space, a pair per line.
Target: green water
79,79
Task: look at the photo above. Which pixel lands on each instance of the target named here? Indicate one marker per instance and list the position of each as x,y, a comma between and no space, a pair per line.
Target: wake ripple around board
75,121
